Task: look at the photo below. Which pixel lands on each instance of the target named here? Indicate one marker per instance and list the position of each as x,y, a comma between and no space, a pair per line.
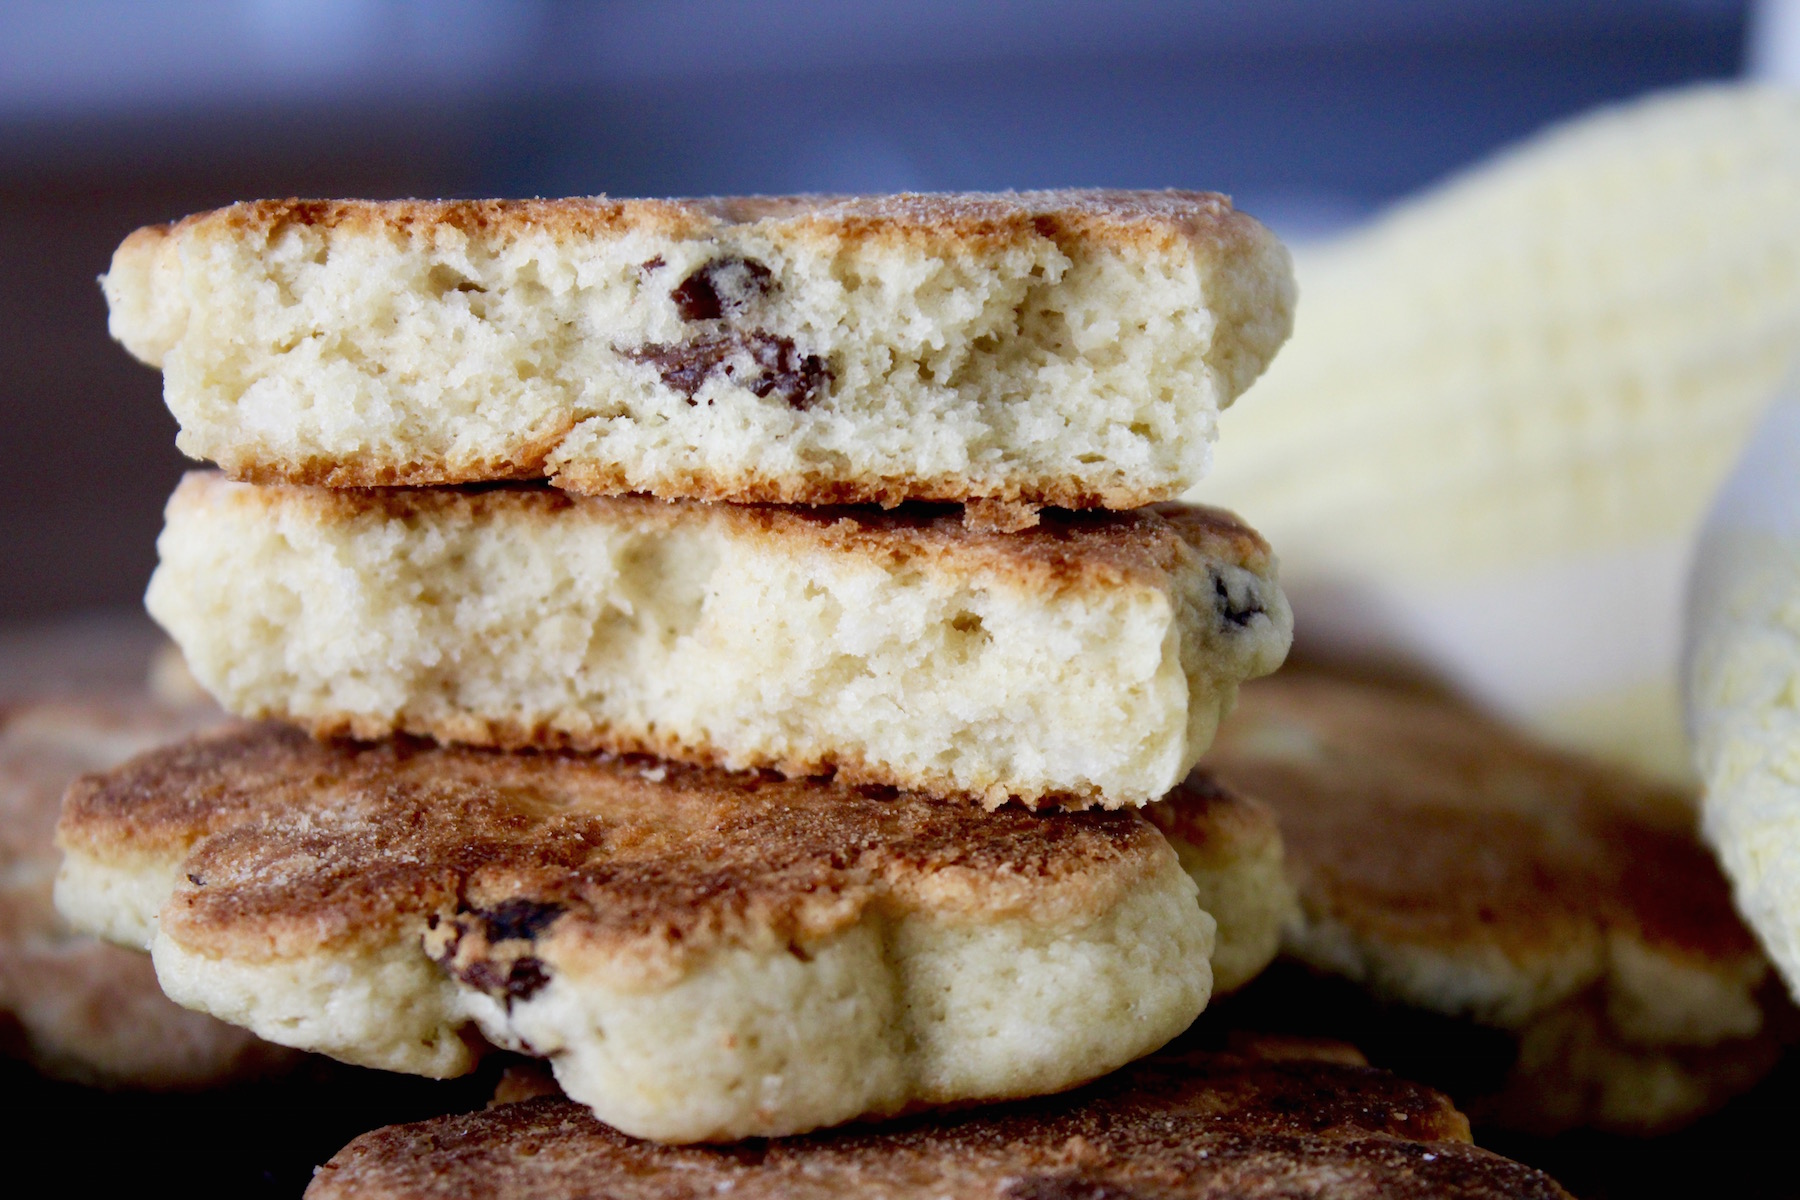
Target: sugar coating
1070,348
1087,662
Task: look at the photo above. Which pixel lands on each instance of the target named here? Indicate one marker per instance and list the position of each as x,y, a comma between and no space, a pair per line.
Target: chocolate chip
696,299
686,366
776,368
724,285
526,978
1240,611
472,947
522,980
795,378
518,918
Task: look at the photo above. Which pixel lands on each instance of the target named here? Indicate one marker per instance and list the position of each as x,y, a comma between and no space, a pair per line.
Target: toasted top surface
44,745
1095,548
1215,822
968,221
285,845
1183,1123
1414,821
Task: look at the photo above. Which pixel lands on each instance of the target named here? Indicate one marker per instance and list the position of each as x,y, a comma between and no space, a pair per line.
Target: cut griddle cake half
1445,862
1181,1125
701,955
1085,660
1069,348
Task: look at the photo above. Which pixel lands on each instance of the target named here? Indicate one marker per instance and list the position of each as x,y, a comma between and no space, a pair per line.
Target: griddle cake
701,955
74,1007
1230,845
1086,660
1181,1124
1445,862
1071,348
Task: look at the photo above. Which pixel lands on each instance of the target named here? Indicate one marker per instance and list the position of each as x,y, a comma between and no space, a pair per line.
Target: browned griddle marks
1414,821
498,860
1180,1124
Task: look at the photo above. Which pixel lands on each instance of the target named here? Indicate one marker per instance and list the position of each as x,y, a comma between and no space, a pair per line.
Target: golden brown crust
1143,547
44,745
1217,824
1412,821
531,460
1183,1123
967,222
286,845
85,1010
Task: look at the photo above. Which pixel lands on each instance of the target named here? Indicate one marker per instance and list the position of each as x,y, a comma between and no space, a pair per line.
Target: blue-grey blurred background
1312,113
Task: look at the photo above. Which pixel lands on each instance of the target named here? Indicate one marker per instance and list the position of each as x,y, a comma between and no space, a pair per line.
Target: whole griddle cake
75,1007
701,955
1086,660
1071,348
1189,1123
1447,863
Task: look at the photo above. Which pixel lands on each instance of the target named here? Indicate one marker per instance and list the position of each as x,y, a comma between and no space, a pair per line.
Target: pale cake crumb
1083,661
1067,348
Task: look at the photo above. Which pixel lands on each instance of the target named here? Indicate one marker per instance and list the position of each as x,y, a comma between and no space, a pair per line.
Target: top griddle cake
1062,348
1445,862
1181,1125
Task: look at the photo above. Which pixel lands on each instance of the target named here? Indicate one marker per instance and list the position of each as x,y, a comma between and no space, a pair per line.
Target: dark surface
248,1142
1738,1151
1742,1151
263,1140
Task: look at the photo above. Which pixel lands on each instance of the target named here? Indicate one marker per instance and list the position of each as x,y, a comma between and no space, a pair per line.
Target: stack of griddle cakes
744,653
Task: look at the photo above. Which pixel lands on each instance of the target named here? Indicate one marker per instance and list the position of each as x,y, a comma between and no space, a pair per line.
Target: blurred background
1313,114
115,113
